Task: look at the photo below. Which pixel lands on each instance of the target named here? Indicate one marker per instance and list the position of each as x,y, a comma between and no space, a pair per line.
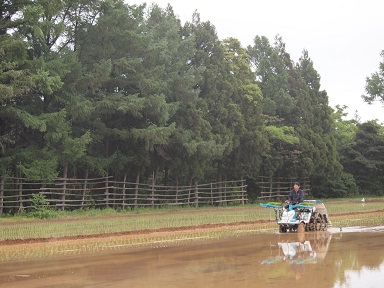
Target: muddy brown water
351,258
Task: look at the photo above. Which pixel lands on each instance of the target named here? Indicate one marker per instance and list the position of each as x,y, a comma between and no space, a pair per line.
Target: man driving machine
296,195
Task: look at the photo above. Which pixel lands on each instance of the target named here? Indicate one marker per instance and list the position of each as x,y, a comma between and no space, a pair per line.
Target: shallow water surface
337,259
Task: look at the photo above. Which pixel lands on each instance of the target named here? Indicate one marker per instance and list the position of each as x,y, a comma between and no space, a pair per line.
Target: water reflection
358,259
335,260
365,277
307,248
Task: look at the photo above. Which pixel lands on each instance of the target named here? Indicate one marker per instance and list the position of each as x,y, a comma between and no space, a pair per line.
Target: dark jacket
296,197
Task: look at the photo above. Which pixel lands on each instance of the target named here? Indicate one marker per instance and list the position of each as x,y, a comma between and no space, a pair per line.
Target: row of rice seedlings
155,240
372,219
338,207
46,229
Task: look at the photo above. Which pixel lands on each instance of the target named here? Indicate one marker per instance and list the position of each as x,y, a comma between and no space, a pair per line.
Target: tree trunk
166,173
155,174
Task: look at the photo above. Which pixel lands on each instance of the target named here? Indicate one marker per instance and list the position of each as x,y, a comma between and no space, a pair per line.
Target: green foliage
345,129
104,88
364,158
334,187
375,85
284,134
299,126
37,164
40,207
272,65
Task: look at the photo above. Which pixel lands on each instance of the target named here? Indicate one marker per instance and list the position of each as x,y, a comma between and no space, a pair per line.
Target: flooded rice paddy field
353,257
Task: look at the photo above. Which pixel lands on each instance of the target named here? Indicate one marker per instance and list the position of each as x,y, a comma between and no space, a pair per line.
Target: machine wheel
318,226
301,228
311,226
282,229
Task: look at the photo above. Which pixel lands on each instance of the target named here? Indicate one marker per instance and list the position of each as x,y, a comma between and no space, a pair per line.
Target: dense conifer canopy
105,88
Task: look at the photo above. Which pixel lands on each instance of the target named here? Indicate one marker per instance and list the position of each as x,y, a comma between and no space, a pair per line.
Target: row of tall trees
95,88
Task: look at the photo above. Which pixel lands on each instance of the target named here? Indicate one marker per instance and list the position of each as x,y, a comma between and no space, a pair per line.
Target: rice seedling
250,214
53,228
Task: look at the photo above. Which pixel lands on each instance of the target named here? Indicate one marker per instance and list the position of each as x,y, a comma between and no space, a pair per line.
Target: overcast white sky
344,38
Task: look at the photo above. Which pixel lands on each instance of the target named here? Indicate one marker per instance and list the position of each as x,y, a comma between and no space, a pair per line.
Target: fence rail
278,188
69,194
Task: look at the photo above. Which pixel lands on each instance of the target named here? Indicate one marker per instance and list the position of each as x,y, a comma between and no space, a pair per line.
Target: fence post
114,194
189,192
107,192
212,201
2,194
196,194
242,191
225,191
20,194
137,189
220,192
153,190
84,188
124,187
280,190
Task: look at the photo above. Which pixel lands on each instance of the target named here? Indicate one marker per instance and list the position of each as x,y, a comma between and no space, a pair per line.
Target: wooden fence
69,194
279,188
